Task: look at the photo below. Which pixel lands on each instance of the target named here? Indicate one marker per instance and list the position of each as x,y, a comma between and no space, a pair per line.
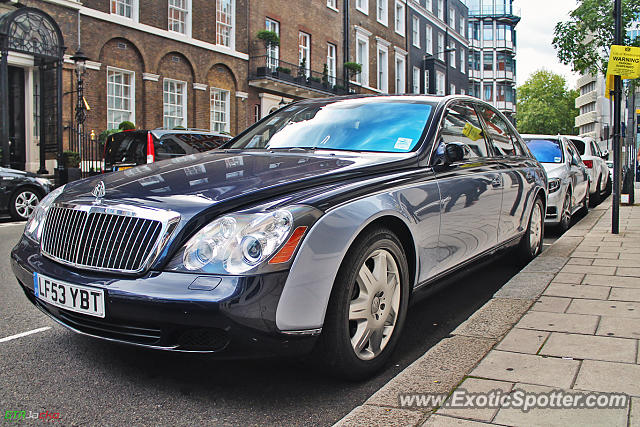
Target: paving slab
634,418
438,371
559,322
523,341
527,368
625,294
551,304
609,377
590,347
618,327
577,291
476,385
605,308
525,286
588,269
628,271
560,417
581,261
444,421
594,255
494,319
573,278
617,281
616,262
367,415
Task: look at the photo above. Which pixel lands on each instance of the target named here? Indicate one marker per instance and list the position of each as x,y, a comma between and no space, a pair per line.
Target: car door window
500,135
462,125
595,150
168,147
579,145
573,153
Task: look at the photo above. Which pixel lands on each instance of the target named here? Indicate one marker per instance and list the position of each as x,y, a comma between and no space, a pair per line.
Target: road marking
24,334
9,224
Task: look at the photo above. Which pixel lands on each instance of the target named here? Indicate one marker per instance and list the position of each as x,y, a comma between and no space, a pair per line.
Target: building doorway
17,130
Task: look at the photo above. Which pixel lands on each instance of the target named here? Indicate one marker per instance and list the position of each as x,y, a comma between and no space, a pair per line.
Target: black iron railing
261,67
90,152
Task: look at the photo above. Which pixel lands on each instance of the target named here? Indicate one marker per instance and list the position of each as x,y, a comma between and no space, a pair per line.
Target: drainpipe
345,47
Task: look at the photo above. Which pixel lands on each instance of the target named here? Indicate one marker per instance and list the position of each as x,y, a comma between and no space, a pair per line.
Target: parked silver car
568,177
594,159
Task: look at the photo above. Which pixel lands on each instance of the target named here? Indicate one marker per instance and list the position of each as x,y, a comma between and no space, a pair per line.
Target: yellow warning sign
472,132
624,61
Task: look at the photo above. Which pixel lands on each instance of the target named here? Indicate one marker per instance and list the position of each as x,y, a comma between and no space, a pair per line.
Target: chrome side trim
304,332
168,219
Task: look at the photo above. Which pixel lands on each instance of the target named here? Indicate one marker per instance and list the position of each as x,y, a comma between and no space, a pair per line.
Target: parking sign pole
617,106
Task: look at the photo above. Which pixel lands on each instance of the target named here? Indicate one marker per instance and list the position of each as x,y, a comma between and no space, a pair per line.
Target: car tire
23,202
365,315
530,244
597,196
585,202
565,218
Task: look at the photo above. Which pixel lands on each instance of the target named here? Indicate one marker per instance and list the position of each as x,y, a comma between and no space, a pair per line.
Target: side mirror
453,152
605,155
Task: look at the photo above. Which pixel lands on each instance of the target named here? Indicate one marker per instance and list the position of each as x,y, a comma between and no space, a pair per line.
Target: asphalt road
90,382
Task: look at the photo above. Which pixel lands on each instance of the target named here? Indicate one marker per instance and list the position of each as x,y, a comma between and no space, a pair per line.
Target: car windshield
545,150
365,124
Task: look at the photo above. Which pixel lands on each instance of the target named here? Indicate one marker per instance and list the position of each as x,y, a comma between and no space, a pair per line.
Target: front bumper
555,201
230,315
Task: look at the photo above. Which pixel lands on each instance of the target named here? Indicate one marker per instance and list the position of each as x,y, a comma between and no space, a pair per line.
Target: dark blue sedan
306,233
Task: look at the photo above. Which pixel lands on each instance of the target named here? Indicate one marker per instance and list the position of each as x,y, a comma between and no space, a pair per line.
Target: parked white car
568,177
594,160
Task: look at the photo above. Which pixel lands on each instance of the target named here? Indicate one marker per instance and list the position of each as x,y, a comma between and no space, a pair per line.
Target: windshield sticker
472,132
403,144
557,159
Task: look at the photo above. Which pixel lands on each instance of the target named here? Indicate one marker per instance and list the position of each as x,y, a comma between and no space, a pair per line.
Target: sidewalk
569,321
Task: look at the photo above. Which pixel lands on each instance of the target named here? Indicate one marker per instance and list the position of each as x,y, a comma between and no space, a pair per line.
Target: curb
449,362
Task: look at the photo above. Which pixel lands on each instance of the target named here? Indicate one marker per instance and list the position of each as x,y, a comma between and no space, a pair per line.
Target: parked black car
20,192
307,232
126,149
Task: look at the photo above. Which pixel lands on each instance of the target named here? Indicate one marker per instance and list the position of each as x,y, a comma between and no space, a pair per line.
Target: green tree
546,105
584,41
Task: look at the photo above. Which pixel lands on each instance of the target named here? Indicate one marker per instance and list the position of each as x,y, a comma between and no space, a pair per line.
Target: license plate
78,298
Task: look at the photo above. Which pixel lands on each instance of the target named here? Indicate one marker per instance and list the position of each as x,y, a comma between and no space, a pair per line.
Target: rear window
178,144
546,150
126,147
579,144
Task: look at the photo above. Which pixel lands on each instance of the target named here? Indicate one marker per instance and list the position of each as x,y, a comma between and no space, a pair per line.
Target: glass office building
492,51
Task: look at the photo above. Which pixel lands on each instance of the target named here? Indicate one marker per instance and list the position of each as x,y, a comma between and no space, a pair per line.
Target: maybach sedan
306,233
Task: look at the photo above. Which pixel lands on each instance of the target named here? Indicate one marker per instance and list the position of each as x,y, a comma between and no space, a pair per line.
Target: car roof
539,136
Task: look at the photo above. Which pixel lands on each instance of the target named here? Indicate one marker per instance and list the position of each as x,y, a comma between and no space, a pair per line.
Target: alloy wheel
535,229
26,203
375,304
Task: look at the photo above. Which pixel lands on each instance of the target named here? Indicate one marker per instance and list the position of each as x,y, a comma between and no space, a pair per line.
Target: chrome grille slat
104,239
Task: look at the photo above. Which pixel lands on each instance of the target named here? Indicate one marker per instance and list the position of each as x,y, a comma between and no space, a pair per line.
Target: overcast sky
534,36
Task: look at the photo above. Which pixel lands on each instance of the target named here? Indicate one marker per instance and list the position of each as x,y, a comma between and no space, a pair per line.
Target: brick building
438,47
155,63
200,63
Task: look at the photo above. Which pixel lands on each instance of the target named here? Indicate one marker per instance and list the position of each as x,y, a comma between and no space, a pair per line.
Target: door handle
497,181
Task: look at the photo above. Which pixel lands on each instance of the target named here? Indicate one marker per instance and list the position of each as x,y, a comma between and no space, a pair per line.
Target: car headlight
554,185
239,242
33,228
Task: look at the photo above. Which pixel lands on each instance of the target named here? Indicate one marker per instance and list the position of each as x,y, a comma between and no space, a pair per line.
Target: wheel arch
305,296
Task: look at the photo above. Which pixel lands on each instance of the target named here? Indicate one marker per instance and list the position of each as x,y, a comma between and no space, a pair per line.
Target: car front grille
101,239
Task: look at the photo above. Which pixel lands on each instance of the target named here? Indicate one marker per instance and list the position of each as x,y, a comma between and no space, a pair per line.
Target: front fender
306,293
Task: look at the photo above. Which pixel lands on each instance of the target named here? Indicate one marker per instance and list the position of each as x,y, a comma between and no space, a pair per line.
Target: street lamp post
80,61
446,65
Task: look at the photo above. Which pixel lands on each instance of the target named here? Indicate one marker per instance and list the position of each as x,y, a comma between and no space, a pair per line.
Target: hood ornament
99,191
